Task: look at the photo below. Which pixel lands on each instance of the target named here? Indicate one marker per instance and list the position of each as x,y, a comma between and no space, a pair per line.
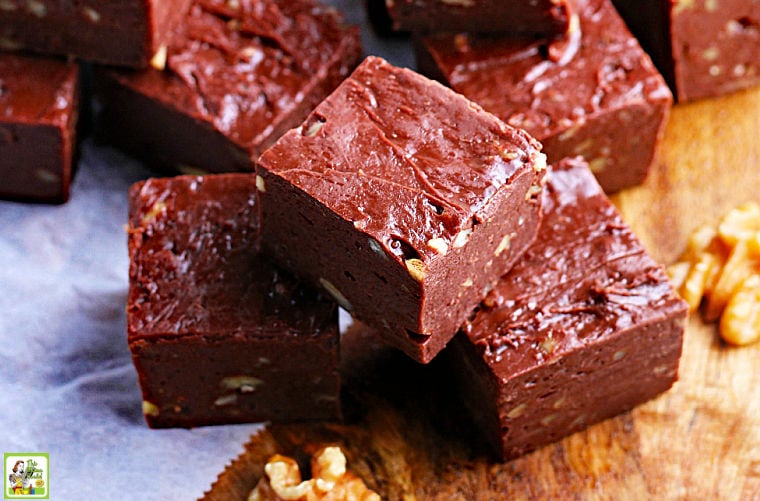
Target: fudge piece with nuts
111,32
703,48
218,334
39,107
517,17
235,75
600,97
585,326
403,200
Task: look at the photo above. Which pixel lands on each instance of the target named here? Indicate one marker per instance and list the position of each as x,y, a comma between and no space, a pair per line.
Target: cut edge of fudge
38,139
541,18
718,58
566,355
95,33
217,333
401,223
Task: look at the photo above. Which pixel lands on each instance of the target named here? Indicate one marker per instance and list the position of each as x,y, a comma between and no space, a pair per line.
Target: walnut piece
719,270
330,480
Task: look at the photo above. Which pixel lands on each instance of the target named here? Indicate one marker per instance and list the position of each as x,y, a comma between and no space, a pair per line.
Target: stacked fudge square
427,218
404,200
400,221
218,334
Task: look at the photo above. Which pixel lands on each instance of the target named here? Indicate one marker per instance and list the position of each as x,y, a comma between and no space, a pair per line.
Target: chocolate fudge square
704,48
236,76
601,98
117,32
217,333
403,200
516,17
39,108
585,326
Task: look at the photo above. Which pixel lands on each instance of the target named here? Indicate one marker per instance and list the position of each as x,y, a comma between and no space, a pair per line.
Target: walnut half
330,480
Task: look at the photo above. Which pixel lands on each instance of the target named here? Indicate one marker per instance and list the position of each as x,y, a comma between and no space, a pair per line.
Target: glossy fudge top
601,67
195,267
585,278
402,157
36,90
241,64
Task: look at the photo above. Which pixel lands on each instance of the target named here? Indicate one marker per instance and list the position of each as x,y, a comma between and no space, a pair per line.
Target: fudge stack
427,218
426,211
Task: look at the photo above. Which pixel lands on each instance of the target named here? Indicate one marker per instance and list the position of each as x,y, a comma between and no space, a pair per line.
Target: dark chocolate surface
196,265
398,158
585,277
39,107
585,303
538,17
103,31
704,48
602,76
219,334
425,197
238,72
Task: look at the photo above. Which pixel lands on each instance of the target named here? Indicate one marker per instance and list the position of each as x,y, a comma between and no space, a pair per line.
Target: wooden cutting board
700,440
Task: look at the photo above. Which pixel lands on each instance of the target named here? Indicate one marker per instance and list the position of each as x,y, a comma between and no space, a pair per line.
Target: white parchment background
66,378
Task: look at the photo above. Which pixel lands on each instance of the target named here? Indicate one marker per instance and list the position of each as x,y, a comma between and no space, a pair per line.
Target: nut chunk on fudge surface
217,333
584,326
39,107
599,97
403,200
236,75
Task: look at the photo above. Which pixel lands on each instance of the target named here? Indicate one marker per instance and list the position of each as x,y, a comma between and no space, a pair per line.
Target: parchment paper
66,377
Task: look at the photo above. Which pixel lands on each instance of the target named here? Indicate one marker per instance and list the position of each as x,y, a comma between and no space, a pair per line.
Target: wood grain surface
701,440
